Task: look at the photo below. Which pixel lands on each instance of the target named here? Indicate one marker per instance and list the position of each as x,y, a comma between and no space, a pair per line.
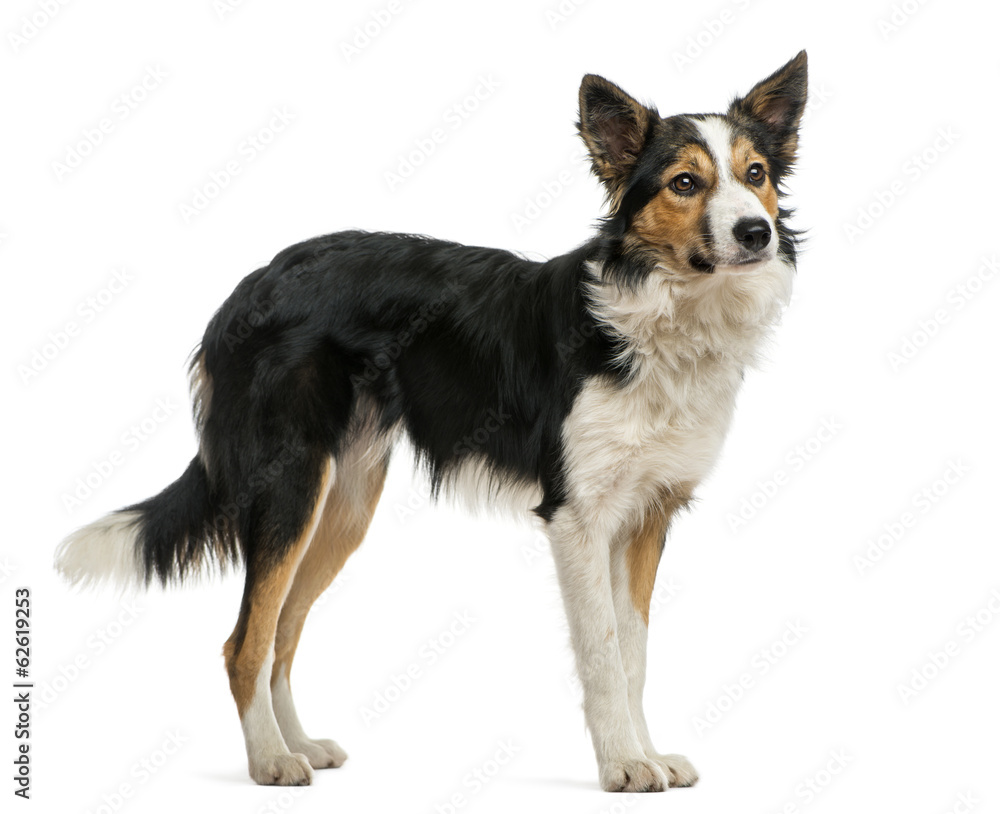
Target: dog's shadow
560,782
239,777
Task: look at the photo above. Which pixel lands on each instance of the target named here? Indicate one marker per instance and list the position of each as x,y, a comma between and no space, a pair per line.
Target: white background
118,683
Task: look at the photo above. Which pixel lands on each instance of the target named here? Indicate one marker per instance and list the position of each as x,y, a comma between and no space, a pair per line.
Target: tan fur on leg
249,655
348,512
645,546
634,563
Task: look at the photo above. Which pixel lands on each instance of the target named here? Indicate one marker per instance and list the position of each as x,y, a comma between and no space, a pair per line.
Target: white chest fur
689,341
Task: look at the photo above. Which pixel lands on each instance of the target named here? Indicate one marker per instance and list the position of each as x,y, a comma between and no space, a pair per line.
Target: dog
594,390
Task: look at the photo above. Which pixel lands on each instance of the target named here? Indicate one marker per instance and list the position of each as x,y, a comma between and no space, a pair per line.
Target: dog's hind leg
634,560
348,512
276,529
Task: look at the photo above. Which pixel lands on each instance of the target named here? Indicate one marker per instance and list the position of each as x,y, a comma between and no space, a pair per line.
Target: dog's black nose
752,233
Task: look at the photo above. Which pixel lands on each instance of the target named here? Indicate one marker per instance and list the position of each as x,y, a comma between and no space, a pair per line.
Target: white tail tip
103,552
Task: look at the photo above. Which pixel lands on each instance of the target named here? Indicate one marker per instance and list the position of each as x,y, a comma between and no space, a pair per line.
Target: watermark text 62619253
22,692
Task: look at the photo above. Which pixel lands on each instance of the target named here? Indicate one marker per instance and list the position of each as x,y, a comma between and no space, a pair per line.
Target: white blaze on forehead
732,200
718,136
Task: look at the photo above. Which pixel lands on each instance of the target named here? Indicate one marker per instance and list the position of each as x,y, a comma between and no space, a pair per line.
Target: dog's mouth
702,264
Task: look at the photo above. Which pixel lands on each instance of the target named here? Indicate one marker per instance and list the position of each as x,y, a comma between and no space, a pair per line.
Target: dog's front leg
635,556
583,564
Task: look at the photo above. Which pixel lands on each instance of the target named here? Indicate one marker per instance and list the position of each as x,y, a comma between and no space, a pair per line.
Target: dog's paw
678,769
321,754
281,770
639,774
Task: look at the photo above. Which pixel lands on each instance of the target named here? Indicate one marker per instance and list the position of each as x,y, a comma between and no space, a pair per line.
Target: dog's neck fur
679,320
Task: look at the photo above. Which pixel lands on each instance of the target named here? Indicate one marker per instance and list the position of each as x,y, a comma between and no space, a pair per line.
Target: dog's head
695,194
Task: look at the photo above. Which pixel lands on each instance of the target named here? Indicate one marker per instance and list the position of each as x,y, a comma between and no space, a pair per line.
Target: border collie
594,389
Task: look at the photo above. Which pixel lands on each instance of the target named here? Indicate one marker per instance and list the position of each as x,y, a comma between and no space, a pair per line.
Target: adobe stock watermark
536,548
477,779
761,665
665,591
812,787
559,13
223,8
417,499
920,504
885,198
970,628
819,97
551,190
796,459
140,773
929,328
453,119
344,577
247,151
129,443
6,569
415,325
251,318
428,654
227,515
86,312
282,802
965,803
899,15
421,494
708,34
31,25
472,442
96,645
125,104
574,339
366,32
597,664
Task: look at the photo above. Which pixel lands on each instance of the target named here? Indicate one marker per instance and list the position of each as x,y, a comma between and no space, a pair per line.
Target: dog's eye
756,174
683,184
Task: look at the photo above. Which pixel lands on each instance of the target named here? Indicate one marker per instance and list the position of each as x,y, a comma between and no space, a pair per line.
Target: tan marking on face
645,547
742,156
259,621
672,224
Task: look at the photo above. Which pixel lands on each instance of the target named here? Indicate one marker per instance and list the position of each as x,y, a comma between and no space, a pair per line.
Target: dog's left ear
777,104
614,126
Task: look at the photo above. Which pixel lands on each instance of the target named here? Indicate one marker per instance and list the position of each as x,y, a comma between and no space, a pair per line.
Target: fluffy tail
169,536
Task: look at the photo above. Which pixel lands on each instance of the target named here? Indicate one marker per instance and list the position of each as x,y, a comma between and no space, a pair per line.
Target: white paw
678,769
321,754
638,774
281,770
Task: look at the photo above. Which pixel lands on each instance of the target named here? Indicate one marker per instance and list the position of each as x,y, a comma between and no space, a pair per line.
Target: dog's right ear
614,126
776,105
